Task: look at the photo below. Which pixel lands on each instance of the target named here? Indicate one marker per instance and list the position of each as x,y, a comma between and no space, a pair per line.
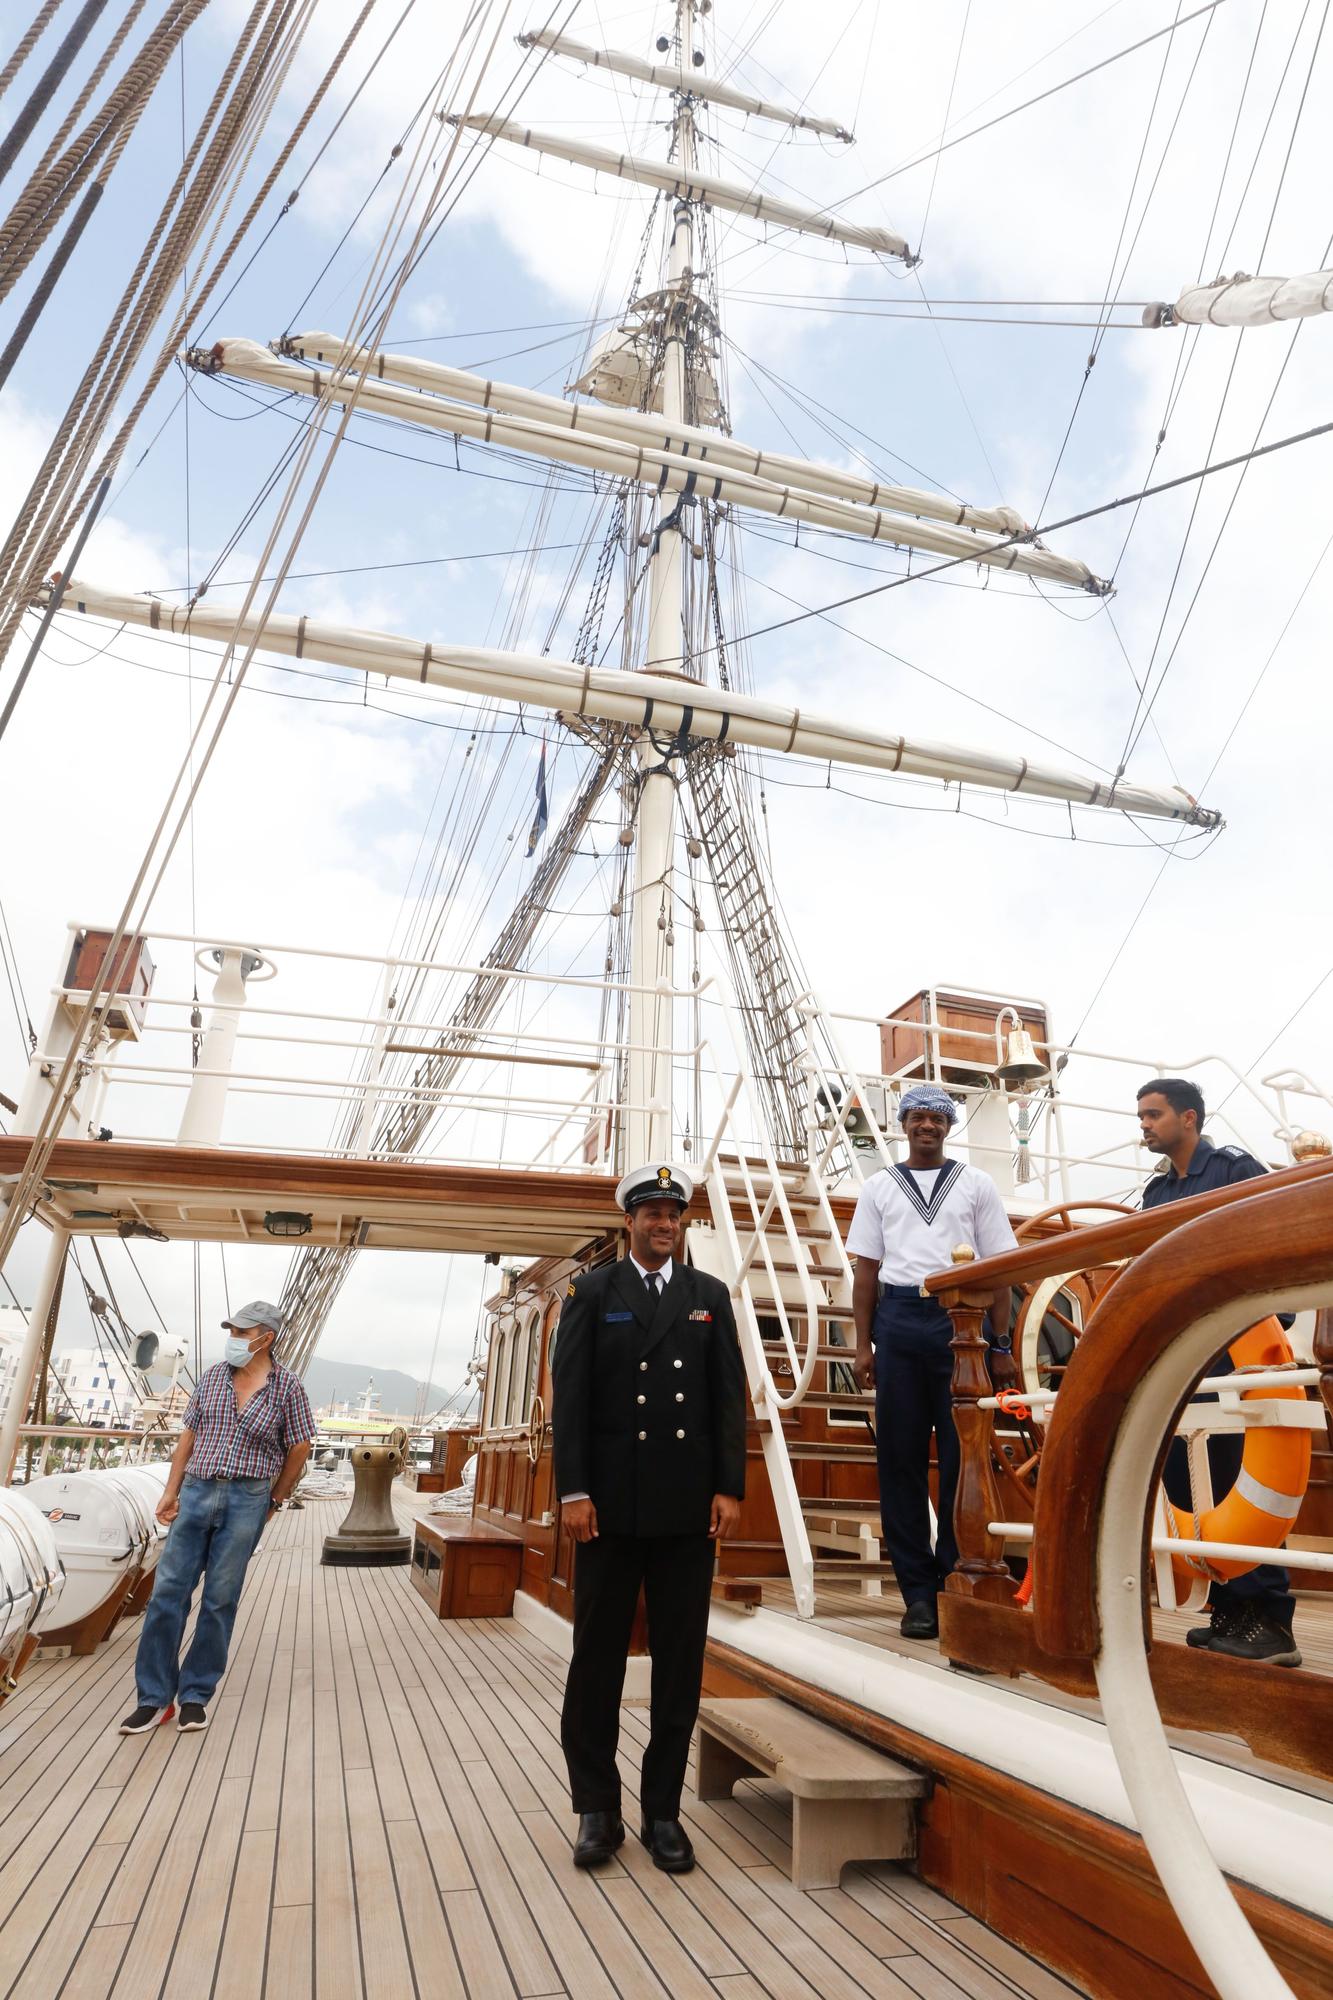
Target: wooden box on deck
466,1568
905,1042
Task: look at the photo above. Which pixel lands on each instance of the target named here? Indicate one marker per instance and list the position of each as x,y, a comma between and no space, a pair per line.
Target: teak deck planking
378,1811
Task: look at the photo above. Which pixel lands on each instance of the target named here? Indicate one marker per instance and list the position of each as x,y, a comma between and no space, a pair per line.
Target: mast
647,1133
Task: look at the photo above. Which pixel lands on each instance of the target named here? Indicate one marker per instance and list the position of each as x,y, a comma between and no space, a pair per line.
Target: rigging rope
48,83
33,34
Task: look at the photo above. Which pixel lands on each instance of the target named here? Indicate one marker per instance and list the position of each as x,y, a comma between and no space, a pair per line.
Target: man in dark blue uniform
1250,1617
648,1432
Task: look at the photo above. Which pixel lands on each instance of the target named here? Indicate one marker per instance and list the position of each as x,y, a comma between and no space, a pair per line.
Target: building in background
93,1388
13,1326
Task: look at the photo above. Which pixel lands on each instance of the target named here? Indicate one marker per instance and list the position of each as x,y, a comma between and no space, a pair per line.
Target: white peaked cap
655,1183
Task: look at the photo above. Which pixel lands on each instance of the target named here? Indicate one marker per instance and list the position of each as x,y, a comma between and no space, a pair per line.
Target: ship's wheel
1045,1335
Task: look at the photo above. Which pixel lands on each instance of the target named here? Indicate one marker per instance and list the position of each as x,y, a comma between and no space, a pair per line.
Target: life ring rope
1261,1507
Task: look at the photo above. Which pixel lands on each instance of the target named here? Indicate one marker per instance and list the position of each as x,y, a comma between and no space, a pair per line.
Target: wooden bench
849,1803
852,1534
465,1568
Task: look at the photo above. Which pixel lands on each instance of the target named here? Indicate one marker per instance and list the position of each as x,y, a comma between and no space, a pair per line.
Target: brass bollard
370,1534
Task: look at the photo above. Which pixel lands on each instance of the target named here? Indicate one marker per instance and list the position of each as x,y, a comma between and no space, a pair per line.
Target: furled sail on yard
683,471
670,76
1245,301
326,350
671,707
709,189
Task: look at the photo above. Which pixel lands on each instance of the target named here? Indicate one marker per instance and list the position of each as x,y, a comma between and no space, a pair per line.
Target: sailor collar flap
928,1210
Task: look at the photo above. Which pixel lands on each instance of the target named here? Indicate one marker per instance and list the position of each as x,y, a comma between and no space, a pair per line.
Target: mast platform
378,1807
214,1194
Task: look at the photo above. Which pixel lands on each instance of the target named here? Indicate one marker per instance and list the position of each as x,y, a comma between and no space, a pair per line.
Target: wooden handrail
1111,1242
1283,1240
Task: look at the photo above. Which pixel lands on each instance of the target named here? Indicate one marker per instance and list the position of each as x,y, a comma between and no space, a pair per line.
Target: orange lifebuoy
1262,1506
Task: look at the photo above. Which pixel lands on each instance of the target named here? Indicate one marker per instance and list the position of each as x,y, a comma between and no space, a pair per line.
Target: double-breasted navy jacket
648,1408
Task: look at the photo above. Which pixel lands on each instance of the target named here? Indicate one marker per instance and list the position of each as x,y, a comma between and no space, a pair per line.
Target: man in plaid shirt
246,1435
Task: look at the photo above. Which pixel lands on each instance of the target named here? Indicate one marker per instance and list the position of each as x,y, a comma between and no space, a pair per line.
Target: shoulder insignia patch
570,1291
1233,1152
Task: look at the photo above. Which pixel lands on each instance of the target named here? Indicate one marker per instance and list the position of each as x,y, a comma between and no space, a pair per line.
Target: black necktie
653,1280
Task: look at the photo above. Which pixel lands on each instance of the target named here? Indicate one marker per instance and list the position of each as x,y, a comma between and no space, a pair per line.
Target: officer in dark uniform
648,1429
1250,1617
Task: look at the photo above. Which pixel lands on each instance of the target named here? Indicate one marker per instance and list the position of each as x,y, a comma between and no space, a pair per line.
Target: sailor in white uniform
908,1220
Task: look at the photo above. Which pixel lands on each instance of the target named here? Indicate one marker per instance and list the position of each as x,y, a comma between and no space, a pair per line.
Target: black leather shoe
920,1620
600,1834
669,1845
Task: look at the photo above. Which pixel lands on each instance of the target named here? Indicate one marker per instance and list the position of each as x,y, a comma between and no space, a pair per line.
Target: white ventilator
327,350
1246,301
694,186
684,471
670,76
670,707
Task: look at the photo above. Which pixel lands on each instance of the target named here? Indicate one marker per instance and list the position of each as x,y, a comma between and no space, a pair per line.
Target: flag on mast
542,814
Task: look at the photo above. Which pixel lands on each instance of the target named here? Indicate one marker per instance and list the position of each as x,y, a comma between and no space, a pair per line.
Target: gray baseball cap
258,1313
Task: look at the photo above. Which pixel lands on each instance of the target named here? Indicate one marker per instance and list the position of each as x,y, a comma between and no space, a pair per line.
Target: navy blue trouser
1269,1585
913,1369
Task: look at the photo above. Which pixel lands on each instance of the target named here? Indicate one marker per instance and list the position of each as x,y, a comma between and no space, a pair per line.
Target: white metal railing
527,1084
1002,1129
82,1447
1214,1921
772,1236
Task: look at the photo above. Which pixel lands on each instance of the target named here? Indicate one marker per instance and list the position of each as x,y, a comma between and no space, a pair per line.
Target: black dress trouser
676,1575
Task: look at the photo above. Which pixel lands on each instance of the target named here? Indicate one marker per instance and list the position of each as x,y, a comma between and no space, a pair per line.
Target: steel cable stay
1133,736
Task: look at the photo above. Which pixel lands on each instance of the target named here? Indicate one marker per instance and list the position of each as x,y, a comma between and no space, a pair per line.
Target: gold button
642,1436
680,1395
680,1434
643,1399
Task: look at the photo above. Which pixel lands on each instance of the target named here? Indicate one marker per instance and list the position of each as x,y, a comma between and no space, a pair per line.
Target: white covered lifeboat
106,1535
31,1576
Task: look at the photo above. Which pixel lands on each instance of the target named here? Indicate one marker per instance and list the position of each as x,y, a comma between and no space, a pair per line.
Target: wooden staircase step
829,1569
815,1270
861,1400
776,1350
831,1452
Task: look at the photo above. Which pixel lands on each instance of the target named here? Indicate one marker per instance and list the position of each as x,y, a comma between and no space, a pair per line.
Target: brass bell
1022,1065
1310,1146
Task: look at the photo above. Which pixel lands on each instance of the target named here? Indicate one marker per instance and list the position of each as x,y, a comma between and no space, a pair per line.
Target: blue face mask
236,1352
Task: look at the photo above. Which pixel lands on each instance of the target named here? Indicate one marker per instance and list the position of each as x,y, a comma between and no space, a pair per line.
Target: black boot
600,1834
1260,1636
669,1845
920,1620
1224,1622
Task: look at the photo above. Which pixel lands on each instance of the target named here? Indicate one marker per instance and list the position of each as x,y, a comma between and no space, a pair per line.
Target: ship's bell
1022,1064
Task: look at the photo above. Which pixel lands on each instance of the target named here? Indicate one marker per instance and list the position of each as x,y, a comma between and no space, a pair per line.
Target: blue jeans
913,1373
214,1535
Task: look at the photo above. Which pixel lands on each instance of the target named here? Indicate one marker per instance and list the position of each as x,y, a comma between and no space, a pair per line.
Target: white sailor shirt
911,1219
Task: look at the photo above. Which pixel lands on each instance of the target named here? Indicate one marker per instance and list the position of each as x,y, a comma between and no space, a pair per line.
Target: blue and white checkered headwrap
927,1097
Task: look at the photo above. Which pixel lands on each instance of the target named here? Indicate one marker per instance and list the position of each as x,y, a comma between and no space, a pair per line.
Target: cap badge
664,1177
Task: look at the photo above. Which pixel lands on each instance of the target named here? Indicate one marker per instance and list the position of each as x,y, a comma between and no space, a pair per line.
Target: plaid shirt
251,1443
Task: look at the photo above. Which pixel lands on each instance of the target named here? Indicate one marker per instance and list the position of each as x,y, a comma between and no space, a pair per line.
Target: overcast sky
1163,167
